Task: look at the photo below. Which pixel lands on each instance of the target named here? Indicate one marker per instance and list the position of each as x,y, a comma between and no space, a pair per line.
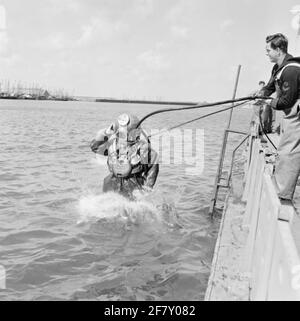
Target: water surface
62,239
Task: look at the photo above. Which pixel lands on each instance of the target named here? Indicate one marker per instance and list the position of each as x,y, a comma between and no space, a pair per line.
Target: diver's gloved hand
110,130
102,140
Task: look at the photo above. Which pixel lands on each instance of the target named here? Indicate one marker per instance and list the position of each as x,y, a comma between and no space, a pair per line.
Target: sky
143,49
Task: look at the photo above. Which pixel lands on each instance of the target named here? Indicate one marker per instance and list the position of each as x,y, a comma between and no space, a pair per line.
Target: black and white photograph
149,153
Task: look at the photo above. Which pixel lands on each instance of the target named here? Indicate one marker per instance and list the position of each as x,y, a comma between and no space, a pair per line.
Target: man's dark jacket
289,84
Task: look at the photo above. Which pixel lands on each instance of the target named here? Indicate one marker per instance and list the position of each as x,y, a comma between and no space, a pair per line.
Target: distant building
45,95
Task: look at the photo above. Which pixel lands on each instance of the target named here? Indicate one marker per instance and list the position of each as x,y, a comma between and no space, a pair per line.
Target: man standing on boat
263,110
285,81
258,104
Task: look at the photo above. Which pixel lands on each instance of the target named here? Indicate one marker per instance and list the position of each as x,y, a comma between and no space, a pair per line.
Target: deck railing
271,255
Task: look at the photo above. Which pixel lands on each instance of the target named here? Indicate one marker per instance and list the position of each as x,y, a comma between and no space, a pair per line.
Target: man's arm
290,80
100,144
269,89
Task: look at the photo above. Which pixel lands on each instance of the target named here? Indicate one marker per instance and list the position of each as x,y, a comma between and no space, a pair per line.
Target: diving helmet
127,128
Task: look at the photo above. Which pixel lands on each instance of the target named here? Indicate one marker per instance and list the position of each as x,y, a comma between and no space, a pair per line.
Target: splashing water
112,205
146,206
142,210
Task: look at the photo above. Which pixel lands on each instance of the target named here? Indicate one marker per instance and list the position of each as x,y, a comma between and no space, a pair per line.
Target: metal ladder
223,178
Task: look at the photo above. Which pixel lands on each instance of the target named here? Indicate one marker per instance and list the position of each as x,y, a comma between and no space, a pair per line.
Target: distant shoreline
109,100
120,101
52,99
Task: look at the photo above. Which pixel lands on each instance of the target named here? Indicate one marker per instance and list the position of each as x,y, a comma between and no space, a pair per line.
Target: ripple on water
27,236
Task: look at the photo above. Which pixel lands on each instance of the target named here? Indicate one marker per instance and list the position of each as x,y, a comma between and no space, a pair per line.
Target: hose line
198,118
263,130
197,106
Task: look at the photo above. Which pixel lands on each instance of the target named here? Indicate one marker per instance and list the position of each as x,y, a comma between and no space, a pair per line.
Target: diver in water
132,163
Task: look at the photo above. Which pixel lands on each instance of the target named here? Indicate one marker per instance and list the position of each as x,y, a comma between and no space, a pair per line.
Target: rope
200,106
198,118
263,130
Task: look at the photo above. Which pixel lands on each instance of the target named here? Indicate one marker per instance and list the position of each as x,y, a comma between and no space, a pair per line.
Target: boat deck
256,253
229,280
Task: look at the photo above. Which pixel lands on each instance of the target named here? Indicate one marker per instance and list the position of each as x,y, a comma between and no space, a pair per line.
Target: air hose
198,118
263,130
198,106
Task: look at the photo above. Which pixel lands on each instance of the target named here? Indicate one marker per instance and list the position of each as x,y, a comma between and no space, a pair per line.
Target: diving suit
132,163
